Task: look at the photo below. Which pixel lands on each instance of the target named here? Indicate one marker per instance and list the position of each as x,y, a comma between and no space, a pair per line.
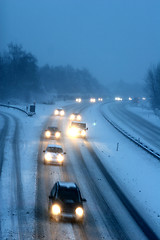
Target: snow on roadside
31,128
145,113
134,170
148,115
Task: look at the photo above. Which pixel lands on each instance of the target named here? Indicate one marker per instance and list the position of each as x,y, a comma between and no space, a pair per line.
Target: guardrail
129,136
17,108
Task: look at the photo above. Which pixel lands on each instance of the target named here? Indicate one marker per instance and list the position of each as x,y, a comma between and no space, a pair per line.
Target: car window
53,191
52,129
65,194
54,149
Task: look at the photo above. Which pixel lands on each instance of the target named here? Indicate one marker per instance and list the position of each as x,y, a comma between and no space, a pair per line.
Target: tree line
22,78
153,86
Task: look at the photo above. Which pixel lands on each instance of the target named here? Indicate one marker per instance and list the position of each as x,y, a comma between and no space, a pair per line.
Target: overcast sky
114,39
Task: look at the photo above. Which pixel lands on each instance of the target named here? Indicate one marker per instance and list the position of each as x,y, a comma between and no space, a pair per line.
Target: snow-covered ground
145,113
31,129
135,171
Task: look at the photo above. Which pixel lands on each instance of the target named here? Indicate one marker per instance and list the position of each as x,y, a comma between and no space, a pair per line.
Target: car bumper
53,162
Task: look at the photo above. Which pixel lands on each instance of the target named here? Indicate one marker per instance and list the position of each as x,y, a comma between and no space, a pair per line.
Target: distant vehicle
59,112
65,202
92,100
52,133
118,99
78,100
75,116
54,155
77,129
100,99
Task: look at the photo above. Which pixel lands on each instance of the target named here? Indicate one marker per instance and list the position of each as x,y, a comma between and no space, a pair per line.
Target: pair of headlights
77,117
48,157
56,210
75,132
48,134
59,112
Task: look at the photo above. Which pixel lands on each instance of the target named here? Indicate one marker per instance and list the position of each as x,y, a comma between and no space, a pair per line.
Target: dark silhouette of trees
19,73
153,86
22,78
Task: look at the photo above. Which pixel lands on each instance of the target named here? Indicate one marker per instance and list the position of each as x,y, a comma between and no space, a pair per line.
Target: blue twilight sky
114,39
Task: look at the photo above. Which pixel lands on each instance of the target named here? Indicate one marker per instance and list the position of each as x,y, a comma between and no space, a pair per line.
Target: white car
77,129
54,154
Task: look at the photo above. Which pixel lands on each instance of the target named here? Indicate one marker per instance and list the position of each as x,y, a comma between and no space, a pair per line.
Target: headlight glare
57,134
56,210
79,211
78,117
72,117
56,112
60,158
73,131
48,156
83,133
48,134
62,113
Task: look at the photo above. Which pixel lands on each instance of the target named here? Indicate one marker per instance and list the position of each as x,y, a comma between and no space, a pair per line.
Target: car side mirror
64,153
84,200
86,128
43,150
50,197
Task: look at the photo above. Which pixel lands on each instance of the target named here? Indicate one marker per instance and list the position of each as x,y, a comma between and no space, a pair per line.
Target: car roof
67,184
51,127
54,145
78,122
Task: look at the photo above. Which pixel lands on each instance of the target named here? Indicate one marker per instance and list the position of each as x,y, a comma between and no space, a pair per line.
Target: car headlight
79,211
73,131
72,117
57,134
83,133
60,158
48,134
78,117
48,156
62,113
56,210
56,112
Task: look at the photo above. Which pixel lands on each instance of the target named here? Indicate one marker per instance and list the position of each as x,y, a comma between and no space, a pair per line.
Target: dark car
52,133
65,202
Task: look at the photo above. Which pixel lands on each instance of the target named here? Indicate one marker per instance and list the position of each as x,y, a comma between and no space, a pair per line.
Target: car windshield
52,129
79,125
68,194
54,149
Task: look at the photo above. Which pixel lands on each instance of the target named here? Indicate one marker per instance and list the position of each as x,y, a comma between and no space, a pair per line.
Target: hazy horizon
113,40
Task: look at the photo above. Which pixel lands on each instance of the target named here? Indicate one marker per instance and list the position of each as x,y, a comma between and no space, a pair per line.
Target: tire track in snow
16,213
18,181
3,134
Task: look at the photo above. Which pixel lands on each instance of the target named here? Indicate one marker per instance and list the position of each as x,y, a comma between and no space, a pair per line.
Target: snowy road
140,127
100,223
24,211
11,189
